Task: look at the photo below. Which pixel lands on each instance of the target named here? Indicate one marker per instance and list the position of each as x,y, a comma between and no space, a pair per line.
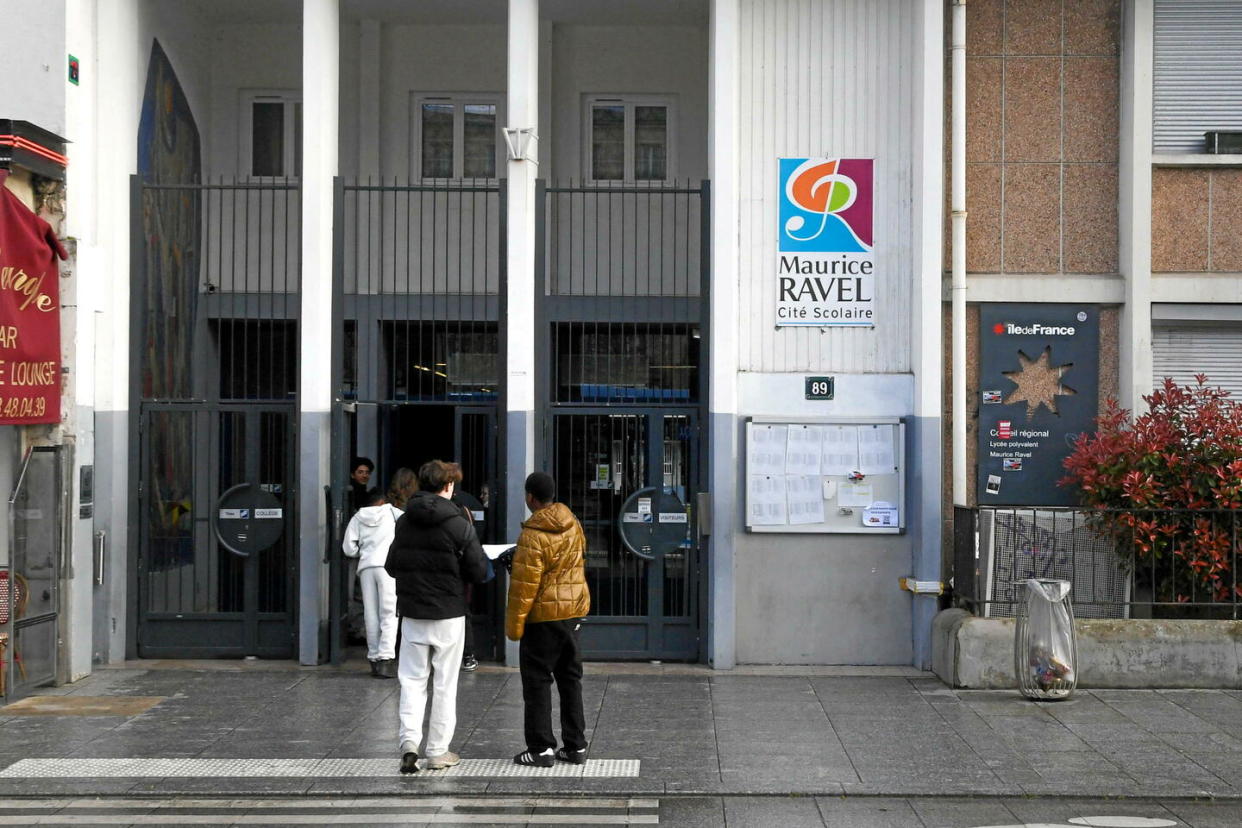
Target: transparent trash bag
1045,654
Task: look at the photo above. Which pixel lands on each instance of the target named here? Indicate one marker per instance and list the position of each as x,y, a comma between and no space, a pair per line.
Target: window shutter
1197,72
1181,351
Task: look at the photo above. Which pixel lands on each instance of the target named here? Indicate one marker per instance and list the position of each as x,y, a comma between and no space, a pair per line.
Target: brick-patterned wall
1041,147
1196,220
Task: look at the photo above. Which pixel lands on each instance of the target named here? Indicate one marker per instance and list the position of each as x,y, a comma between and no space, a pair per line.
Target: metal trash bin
1045,651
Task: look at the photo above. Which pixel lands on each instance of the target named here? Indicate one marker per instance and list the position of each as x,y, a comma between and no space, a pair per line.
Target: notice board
824,475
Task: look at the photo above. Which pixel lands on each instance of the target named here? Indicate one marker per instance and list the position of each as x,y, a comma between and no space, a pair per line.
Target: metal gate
640,607
418,290
622,320
216,278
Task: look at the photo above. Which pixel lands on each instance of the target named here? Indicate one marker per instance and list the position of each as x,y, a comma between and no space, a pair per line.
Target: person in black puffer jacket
434,553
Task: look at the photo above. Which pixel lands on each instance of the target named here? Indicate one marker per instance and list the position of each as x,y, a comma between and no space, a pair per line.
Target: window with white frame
455,136
272,134
629,138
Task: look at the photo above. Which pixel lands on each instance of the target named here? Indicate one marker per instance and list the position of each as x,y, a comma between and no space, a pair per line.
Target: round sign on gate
248,519
653,520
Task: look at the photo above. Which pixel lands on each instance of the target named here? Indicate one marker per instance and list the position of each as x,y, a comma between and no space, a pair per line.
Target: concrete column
724,474
1134,214
121,58
320,107
924,436
523,113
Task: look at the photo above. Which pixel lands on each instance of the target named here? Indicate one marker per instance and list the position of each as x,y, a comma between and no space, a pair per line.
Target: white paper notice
875,450
806,502
840,450
805,446
830,489
495,550
765,500
765,453
855,495
880,515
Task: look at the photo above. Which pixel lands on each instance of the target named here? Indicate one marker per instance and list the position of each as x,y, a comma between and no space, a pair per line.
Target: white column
723,148
1134,213
320,99
926,432
522,114
121,58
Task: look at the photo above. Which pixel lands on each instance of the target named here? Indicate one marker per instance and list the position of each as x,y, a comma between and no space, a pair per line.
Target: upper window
629,138
272,134
455,136
1196,73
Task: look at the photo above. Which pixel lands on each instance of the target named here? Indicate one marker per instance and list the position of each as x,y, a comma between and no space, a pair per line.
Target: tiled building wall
1041,145
1196,222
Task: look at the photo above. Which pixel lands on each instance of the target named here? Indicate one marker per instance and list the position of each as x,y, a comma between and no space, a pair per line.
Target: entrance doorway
410,434
643,605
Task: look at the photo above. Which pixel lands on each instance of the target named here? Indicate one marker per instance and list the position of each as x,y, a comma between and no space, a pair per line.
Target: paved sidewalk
692,731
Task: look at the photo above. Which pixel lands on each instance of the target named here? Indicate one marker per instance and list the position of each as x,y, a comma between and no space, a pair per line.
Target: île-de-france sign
825,260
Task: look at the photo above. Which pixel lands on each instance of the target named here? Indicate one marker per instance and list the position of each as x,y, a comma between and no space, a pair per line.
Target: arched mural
169,153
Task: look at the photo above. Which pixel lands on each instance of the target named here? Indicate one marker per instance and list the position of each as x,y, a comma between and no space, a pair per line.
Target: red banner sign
29,315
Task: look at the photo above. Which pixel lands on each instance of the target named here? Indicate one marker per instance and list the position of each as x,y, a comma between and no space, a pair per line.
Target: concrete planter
977,653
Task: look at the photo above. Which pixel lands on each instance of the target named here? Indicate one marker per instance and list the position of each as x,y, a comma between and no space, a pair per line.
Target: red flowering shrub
1177,467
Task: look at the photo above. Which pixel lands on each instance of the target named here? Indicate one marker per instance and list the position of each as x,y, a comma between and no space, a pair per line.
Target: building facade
695,259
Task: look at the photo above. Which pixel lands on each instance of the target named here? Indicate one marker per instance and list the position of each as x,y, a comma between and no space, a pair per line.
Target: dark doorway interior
412,434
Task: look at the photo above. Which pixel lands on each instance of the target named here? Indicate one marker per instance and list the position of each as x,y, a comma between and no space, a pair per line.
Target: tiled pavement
682,812
693,731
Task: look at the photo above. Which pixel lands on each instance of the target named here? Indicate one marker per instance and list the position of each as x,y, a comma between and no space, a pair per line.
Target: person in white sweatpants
430,649
434,554
367,538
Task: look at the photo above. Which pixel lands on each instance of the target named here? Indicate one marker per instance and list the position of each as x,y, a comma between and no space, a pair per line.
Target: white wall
664,60
825,79
432,59
34,64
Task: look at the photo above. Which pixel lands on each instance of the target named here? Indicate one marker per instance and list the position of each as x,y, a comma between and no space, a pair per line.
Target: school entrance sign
825,258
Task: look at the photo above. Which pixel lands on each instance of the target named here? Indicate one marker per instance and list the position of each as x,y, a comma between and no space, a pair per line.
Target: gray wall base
977,653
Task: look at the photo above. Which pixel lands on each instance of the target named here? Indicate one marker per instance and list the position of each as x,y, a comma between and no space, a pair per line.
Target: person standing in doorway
357,496
548,598
367,538
434,553
360,471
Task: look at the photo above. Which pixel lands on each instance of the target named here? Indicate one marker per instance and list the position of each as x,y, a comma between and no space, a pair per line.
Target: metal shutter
1197,72
1181,351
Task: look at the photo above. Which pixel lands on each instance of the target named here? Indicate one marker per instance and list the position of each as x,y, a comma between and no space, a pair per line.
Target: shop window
272,130
456,136
629,139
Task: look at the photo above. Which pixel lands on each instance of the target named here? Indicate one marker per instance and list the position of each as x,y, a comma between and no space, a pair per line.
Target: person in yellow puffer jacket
548,598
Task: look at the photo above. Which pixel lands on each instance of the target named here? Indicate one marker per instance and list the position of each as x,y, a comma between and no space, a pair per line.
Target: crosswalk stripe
336,818
311,802
61,768
333,811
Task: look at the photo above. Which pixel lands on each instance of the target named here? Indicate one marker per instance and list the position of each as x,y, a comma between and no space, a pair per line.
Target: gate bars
418,294
217,277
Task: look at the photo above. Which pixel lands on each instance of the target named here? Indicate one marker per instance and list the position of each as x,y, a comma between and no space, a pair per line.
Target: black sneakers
539,760
409,762
469,664
576,757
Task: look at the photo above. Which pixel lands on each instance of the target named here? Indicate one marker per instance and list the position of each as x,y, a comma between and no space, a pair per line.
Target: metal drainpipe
958,206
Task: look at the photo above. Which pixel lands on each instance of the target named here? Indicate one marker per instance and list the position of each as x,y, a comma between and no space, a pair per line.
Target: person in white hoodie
367,538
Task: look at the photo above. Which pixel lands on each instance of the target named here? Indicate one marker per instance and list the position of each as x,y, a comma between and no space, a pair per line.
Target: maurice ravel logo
825,247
